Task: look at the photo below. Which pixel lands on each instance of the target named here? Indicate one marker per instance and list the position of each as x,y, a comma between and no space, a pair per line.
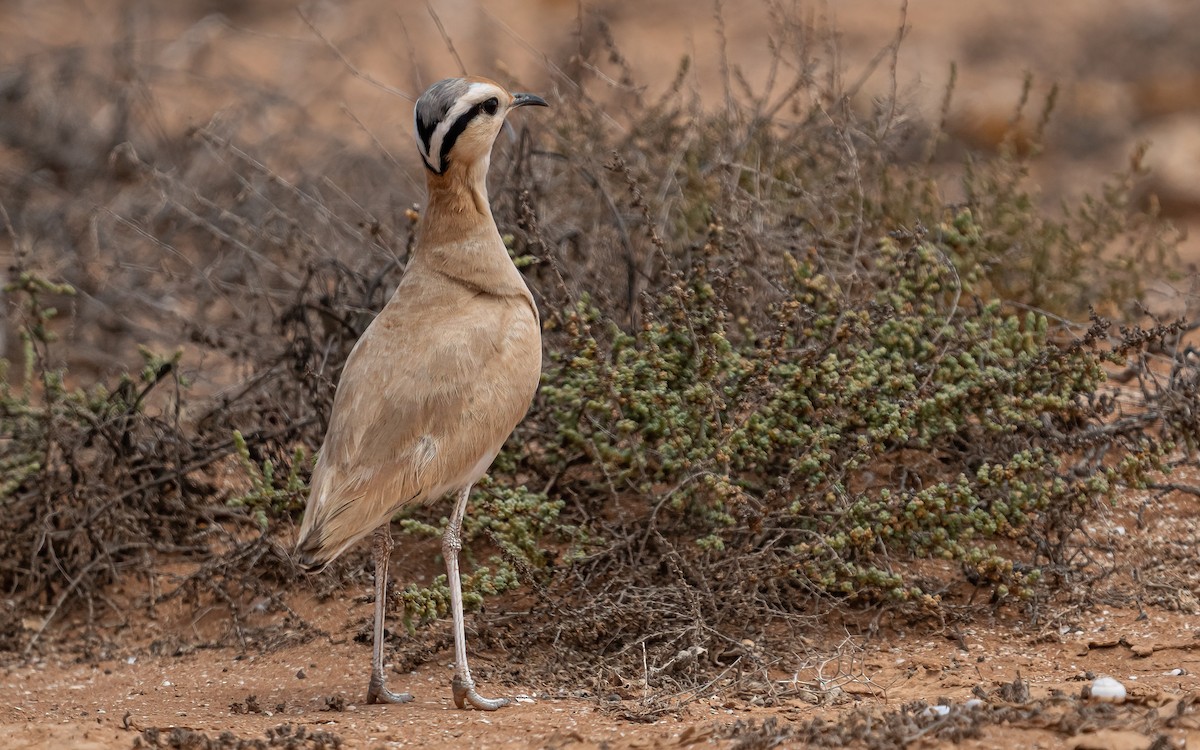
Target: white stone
1108,690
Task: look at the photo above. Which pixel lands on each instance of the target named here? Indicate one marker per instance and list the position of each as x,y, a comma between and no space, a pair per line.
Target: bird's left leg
462,685
382,547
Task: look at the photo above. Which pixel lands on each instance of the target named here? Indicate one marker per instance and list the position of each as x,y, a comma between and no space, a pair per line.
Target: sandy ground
60,702
1139,625
1145,638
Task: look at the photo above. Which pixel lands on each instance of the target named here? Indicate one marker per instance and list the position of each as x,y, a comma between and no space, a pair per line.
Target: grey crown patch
431,109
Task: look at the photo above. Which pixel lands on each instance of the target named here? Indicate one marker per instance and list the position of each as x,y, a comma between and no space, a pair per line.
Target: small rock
1107,690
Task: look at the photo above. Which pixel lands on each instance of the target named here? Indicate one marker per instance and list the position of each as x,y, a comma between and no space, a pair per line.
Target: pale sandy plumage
429,394
445,372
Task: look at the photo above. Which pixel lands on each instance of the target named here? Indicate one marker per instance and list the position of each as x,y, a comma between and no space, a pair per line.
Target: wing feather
427,397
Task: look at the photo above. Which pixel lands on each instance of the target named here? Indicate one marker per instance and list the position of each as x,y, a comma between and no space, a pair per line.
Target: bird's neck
459,238
458,196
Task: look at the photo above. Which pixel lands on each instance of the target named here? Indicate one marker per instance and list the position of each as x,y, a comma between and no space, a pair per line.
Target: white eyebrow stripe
417,130
476,93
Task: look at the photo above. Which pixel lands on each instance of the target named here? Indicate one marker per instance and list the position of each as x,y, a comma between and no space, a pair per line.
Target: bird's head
458,119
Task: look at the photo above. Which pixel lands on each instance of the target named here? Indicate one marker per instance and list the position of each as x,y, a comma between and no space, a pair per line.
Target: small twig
462,69
66,593
354,70
1190,489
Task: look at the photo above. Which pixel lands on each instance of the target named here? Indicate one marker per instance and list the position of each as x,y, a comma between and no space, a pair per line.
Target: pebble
1108,690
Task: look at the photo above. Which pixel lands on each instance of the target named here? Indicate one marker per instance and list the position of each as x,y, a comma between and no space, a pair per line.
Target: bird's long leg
462,685
382,548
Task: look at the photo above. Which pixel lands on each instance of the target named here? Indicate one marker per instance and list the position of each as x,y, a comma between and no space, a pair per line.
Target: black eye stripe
425,132
455,131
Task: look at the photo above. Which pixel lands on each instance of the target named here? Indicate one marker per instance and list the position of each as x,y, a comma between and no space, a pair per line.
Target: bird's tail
313,550
308,553
338,514
323,536
311,553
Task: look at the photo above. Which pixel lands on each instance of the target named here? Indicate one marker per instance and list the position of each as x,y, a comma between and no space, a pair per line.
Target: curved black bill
528,100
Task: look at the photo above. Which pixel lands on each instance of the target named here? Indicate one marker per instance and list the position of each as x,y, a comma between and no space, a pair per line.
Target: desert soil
107,704
59,701
1140,624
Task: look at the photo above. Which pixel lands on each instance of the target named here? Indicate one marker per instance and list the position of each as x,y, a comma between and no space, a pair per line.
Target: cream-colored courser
441,377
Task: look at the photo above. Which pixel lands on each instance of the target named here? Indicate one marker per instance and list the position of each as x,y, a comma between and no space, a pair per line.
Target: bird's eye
490,106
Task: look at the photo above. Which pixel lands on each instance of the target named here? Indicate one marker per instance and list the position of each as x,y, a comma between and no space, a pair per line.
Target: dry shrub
782,374
243,285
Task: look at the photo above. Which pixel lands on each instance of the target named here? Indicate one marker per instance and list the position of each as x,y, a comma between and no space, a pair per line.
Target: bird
442,375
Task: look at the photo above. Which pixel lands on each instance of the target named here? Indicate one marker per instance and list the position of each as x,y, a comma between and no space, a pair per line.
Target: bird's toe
465,694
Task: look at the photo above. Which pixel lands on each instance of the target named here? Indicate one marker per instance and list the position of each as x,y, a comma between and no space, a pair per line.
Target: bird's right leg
382,548
462,686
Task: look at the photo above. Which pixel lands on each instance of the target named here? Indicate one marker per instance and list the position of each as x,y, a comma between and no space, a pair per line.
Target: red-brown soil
1140,625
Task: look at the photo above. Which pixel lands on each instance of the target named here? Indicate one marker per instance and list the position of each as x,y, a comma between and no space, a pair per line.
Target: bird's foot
464,693
377,693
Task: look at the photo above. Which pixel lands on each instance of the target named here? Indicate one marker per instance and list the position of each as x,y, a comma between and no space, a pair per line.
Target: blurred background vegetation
845,311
